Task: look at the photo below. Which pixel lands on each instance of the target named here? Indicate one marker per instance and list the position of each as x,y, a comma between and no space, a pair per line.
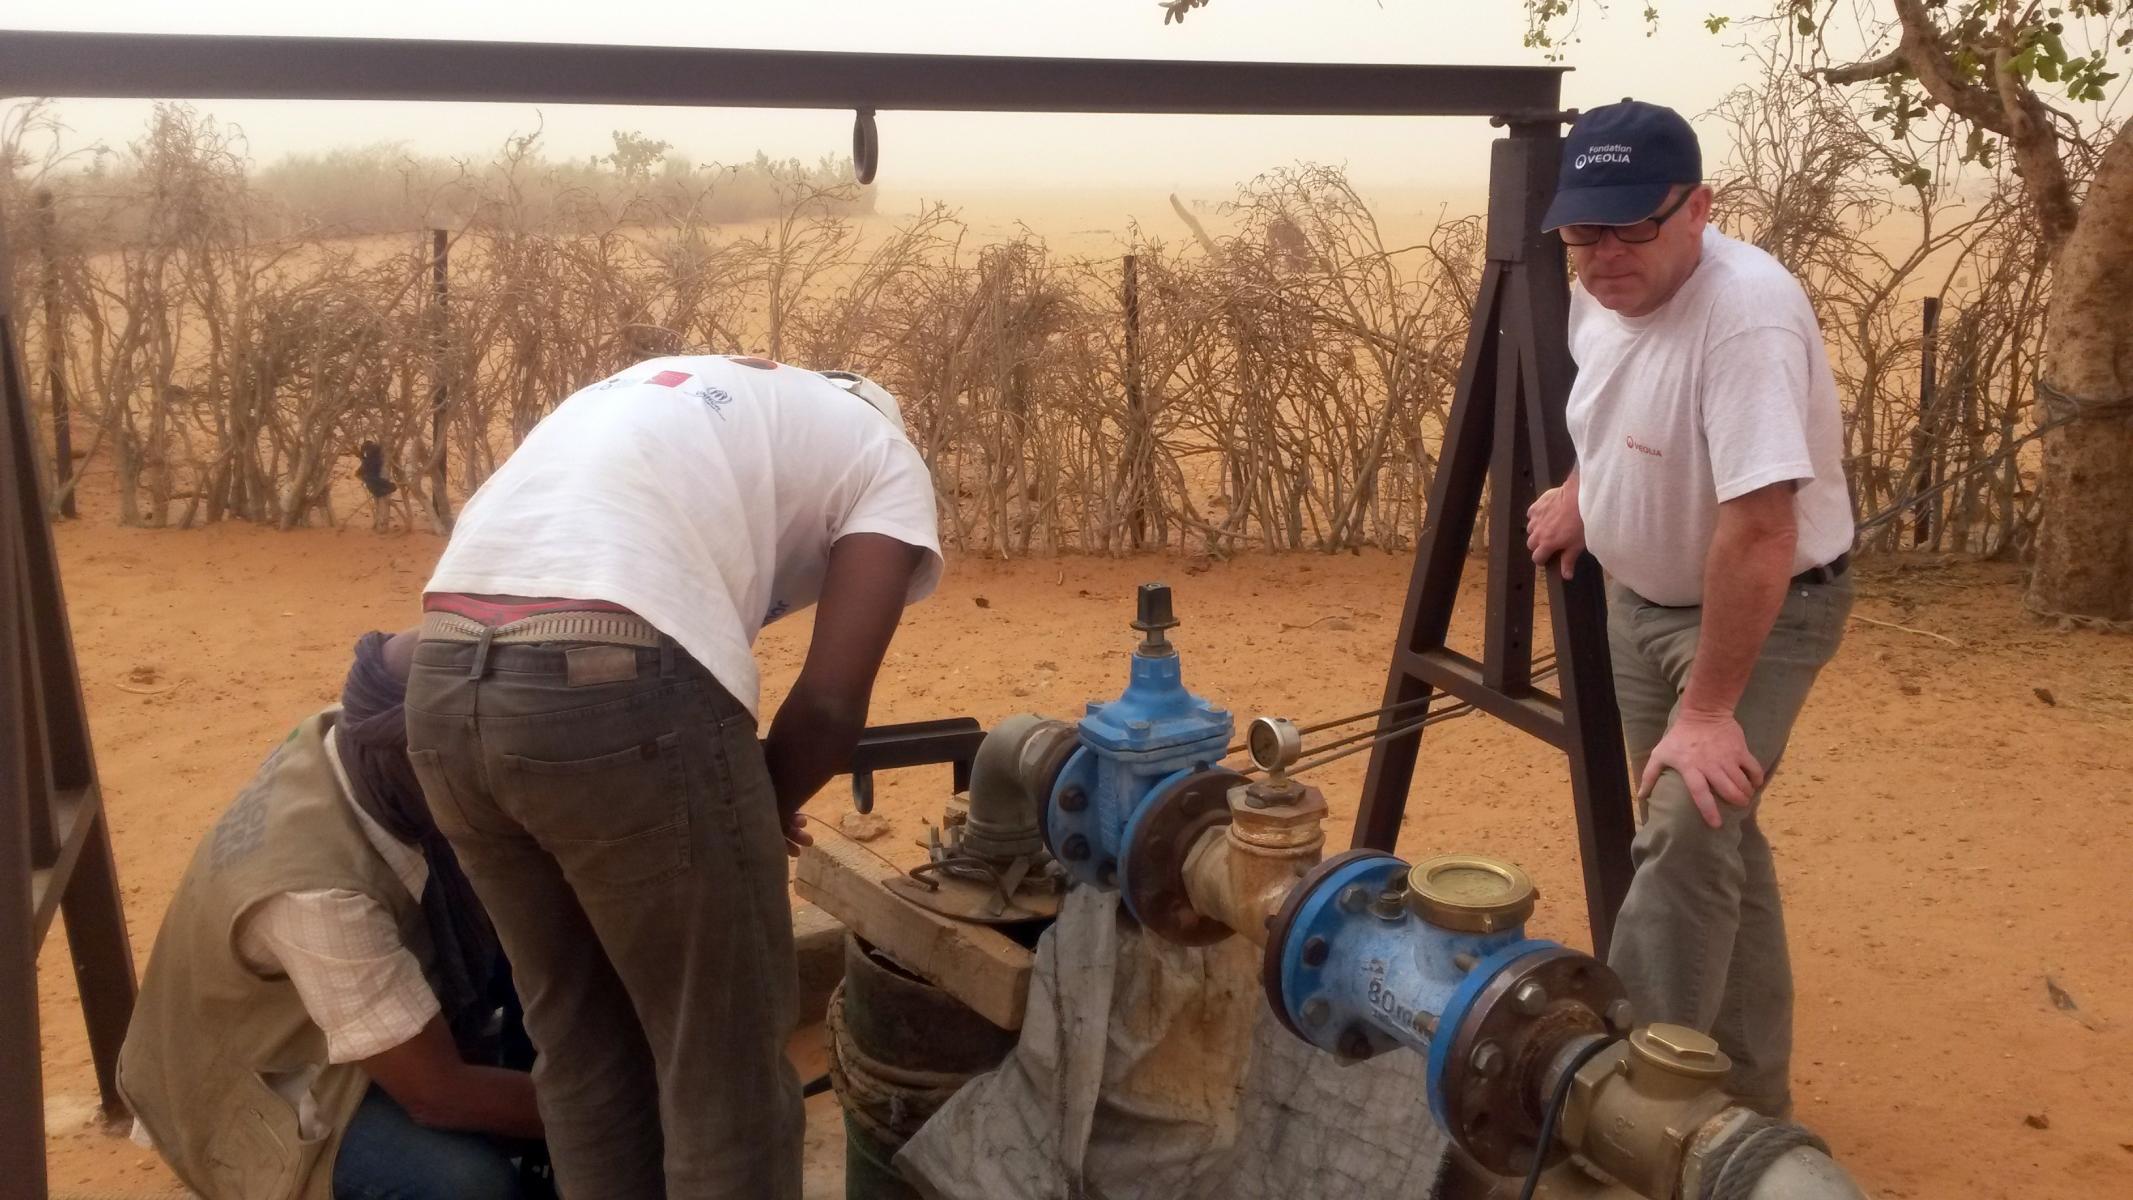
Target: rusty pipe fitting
1240,873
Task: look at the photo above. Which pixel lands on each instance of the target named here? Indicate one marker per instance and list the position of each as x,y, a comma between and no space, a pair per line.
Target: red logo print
669,378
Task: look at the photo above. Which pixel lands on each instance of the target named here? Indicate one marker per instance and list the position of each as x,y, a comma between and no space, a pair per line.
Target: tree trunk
2085,545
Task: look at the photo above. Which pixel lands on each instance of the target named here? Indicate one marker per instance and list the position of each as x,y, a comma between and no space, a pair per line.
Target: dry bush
1282,387
1871,230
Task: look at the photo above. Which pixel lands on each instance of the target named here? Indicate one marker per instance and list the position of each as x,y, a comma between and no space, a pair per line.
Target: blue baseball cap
1619,162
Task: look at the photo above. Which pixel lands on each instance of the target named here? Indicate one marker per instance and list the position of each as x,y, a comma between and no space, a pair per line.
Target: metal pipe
1240,873
1006,797
1805,1173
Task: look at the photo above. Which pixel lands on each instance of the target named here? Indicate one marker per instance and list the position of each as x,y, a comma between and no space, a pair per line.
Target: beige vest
207,1032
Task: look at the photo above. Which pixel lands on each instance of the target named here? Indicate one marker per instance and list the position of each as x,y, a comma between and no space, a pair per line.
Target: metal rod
1541,670
1375,736
1318,755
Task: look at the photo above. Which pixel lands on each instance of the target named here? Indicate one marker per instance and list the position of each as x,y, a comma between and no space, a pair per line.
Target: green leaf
1804,24
1714,22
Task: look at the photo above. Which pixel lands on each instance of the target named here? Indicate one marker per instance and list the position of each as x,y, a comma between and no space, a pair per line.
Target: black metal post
1923,443
440,390
1138,486
55,358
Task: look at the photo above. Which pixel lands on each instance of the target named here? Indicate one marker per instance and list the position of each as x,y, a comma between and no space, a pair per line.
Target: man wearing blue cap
1710,485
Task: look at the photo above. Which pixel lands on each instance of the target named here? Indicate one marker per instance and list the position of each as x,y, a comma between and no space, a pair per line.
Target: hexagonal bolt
1316,1010
1391,904
1531,998
1620,1016
1426,1024
1464,961
1354,899
1686,1044
1487,1060
1076,848
1315,951
1354,1043
1073,800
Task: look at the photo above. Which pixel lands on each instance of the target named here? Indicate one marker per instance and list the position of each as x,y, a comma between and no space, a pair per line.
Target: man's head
873,393
1631,205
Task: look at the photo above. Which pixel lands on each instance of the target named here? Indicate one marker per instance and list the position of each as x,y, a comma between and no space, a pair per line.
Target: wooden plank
974,963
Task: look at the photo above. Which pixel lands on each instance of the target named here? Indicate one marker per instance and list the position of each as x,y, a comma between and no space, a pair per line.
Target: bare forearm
812,736
810,743
426,1076
1745,575
488,1100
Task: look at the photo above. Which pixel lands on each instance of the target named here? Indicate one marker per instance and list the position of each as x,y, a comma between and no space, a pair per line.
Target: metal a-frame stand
55,846
1507,425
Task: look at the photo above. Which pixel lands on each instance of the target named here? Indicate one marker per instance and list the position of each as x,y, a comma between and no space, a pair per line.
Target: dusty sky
1683,65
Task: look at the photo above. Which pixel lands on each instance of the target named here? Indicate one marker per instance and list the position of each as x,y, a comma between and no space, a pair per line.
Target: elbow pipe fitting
1009,779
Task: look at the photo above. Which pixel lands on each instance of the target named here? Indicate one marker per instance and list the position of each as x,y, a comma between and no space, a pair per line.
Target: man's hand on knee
1711,755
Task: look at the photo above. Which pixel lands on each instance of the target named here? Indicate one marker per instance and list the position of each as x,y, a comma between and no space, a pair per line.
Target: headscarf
470,978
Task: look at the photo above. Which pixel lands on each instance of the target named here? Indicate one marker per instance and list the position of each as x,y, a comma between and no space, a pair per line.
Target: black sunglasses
1636,233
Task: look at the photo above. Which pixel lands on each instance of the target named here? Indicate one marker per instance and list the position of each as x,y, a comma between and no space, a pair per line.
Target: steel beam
170,67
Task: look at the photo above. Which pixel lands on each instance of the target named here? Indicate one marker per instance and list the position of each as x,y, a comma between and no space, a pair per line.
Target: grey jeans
1700,940
612,809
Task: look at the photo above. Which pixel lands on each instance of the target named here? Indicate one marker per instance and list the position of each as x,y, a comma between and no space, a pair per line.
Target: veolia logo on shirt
1641,448
1613,153
717,398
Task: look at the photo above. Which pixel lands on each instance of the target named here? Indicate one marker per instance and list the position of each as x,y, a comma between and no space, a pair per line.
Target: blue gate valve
1152,736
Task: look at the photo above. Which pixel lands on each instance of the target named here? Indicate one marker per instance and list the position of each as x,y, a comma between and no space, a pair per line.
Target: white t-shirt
1723,390
701,493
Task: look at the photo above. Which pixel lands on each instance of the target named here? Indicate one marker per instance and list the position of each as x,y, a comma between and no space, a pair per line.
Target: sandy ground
1949,836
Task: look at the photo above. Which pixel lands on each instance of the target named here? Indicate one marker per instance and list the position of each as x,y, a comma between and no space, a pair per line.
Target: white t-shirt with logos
701,493
1723,390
